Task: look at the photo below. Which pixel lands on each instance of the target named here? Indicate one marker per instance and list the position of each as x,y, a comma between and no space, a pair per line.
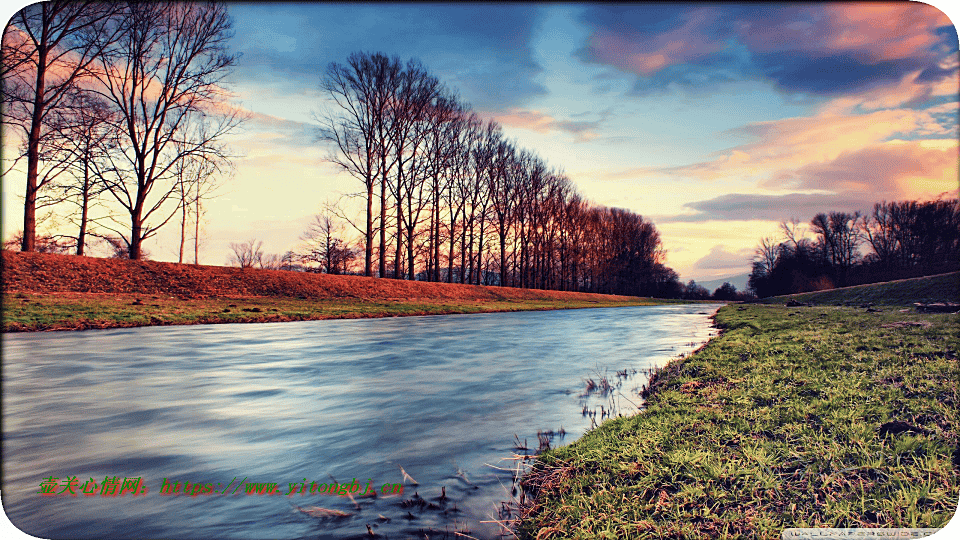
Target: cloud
483,52
823,50
582,130
852,181
758,207
890,171
792,143
720,259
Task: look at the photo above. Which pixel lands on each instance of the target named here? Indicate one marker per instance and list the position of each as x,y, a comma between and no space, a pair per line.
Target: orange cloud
795,142
897,170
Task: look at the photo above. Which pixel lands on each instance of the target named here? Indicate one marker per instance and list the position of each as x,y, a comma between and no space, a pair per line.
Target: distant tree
726,292
695,291
196,181
271,261
42,244
323,245
119,249
290,262
247,254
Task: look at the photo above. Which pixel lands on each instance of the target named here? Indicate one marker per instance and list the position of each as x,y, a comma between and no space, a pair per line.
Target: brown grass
48,273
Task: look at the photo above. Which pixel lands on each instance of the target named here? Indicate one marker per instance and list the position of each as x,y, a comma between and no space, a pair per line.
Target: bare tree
83,140
196,177
361,92
766,254
840,239
163,77
324,246
247,254
47,48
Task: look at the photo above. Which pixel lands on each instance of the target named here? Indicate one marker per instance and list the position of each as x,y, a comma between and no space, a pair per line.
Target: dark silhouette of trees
839,241
324,246
694,291
912,237
726,292
905,239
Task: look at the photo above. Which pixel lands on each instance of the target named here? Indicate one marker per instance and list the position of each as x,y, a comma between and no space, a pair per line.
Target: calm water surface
440,396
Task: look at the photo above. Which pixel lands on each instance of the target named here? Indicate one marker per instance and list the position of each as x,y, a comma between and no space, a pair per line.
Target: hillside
902,292
53,292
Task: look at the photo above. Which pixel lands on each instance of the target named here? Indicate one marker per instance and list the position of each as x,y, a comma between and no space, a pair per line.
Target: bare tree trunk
183,229
196,229
33,157
368,249
383,227
84,208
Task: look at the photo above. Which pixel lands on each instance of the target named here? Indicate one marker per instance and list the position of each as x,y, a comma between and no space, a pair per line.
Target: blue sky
715,121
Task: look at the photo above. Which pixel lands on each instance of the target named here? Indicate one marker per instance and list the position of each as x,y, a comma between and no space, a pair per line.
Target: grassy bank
62,292
939,288
794,417
78,311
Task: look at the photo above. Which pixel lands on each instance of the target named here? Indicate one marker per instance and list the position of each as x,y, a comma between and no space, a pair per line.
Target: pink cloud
582,130
794,142
650,53
878,31
532,120
891,171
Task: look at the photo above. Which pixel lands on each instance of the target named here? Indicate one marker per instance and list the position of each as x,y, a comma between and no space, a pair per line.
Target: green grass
939,288
72,311
773,424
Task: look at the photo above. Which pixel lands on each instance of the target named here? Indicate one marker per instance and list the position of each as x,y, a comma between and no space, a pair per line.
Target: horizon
716,122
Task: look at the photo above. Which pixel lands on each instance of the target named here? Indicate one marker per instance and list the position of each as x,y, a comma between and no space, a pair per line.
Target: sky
715,121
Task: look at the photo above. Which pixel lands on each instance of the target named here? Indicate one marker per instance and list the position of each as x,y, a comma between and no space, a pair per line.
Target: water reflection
300,402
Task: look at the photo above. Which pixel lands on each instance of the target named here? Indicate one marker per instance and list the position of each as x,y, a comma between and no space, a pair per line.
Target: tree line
120,109
897,240
447,197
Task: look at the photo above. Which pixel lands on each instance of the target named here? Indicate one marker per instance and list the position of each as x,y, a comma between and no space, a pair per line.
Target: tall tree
47,48
356,125
163,76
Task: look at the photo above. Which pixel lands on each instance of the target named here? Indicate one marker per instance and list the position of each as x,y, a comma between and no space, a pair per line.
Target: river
443,397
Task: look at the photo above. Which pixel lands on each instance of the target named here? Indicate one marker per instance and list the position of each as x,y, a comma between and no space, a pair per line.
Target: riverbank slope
808,416
66,292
